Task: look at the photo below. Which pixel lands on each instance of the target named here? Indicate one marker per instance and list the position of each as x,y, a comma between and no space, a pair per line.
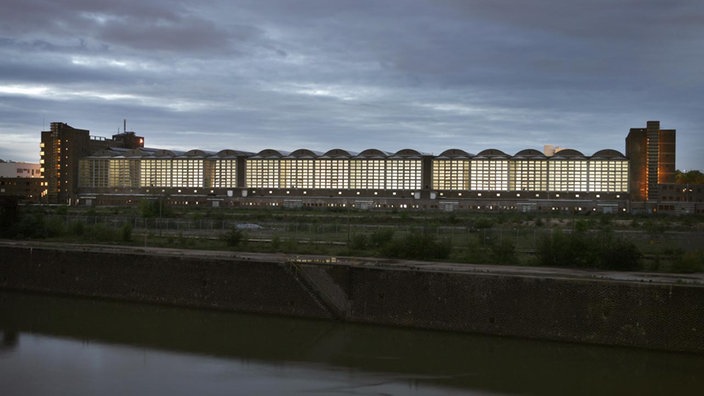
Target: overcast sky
321,74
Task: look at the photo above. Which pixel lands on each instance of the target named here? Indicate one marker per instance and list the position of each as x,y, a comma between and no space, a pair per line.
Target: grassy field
653,243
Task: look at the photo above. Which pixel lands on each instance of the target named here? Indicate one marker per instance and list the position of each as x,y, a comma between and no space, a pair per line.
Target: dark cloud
424,74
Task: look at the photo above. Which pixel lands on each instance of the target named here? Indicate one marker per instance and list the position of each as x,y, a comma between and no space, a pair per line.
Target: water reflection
9,339
158,348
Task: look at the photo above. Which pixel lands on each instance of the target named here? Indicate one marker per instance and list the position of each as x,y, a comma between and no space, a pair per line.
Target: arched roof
304,153
455,153
568,153
165,153
608,154
232,153
270,153
373,153
198,153
339,153
407,153
491,153
530,153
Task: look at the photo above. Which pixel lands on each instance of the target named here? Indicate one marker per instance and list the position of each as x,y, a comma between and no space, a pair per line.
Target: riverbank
655,311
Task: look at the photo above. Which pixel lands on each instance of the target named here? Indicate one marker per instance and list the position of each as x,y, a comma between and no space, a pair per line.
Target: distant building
21,180
61,149
81,169
651,155
407,179
549,150
19,169
680,198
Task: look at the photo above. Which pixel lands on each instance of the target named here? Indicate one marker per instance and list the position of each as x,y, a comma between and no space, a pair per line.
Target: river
69,346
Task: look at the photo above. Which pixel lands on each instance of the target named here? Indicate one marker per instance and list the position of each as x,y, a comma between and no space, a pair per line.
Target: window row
530,175
389,174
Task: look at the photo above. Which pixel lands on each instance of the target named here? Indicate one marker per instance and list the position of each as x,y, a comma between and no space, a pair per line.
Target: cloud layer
428,75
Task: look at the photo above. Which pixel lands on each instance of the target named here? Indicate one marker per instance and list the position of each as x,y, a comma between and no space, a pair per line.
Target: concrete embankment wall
667,316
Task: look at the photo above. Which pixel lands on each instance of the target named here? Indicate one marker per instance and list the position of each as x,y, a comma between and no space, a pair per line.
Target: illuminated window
368,174
568,175
332,173
93,172
297,173
403,174
528,175
449,174
225,173
262,173
608,175
123,172
489,175
155,173
187,172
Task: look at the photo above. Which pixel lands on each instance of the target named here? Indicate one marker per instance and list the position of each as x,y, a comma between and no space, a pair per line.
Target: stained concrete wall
667,316
656,316
212,282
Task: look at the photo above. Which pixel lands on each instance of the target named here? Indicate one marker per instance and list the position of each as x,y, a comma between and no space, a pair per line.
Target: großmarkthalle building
121,171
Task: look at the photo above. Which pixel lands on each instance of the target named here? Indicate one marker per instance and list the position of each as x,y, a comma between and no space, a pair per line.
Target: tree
589,250
690,177
233,237
9,215
155,207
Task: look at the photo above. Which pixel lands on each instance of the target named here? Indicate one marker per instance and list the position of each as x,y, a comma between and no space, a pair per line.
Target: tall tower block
651,155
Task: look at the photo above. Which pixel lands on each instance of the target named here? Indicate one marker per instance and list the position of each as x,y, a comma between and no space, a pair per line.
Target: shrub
503,252
76,228
689,262
233,237
9,216
417,246
483,223
585,250
476,253
54,226
101,232
619,254
155,208
380,237
30,225
126,232
359,241
276,243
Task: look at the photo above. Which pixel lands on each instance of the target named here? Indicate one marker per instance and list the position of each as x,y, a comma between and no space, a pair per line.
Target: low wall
535,303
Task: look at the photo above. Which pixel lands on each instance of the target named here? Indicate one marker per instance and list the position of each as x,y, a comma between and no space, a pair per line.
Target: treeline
385,242
35,223
690,177
589,249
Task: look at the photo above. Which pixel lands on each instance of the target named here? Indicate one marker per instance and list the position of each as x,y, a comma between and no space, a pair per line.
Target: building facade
22,181
490,180
62,147
121,171
651,153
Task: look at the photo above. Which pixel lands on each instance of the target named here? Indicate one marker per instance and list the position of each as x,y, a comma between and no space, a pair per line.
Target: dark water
64,346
